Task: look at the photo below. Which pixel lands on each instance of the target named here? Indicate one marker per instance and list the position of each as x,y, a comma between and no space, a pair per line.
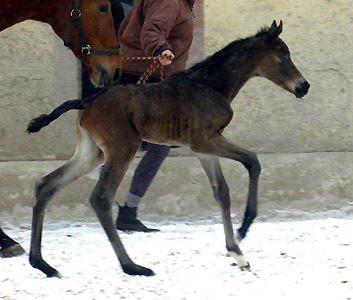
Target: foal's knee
253,165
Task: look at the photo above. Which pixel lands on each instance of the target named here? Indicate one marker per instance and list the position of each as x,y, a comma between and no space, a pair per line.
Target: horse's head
276,64
96,44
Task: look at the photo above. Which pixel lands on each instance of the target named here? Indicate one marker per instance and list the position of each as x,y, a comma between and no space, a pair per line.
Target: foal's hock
191,107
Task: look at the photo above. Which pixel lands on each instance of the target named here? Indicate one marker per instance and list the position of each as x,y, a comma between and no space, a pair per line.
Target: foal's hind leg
214,172
102,198
86,158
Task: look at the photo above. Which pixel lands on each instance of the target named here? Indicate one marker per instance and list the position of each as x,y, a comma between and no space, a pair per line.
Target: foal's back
164,112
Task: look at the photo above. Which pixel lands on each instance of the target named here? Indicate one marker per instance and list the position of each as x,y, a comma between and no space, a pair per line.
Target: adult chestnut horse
190,108
87,28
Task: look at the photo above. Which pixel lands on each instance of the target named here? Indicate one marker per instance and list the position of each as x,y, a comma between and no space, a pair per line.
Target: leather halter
86,49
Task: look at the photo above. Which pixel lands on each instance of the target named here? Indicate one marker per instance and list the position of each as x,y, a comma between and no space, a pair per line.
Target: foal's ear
273,26
274,31
279,28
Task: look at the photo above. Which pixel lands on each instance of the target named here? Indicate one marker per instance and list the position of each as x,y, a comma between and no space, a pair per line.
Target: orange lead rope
153,67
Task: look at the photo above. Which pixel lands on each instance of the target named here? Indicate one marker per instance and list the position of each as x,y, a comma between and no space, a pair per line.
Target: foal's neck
230,68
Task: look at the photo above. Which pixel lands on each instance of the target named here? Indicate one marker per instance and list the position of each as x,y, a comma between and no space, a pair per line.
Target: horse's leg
220,189
85,159
252,163
220,146
102,198
9,247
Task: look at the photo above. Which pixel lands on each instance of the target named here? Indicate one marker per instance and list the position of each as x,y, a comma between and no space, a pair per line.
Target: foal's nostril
306,85
302,89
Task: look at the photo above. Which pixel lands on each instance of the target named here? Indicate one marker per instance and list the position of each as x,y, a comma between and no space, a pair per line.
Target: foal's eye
284,57
104,8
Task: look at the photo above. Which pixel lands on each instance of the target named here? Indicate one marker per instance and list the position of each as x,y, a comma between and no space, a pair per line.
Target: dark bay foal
190,108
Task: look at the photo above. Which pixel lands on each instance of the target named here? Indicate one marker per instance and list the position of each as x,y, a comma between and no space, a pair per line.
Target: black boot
127,220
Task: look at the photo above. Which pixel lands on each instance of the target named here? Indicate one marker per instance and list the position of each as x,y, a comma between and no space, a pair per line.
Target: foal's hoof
41,265
133,269
241,261
246,268
12,251
54,273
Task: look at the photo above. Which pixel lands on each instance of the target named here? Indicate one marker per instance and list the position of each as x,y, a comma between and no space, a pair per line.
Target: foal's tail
43,120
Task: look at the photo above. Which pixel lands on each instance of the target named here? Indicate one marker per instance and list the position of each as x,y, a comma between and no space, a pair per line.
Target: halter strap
86,49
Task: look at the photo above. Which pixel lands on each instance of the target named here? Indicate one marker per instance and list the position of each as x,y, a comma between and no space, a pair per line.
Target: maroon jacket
153,26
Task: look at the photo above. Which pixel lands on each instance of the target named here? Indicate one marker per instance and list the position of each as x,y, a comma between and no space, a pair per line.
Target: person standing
152,28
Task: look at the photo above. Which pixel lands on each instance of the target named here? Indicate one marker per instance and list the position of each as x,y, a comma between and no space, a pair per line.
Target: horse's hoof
54,273
137,270
40,264
12,251
50,272
246,268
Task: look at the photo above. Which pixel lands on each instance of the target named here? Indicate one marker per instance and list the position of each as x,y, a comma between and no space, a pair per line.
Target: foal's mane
234,48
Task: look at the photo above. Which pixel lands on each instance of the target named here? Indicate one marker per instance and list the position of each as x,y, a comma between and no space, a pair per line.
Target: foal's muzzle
302,89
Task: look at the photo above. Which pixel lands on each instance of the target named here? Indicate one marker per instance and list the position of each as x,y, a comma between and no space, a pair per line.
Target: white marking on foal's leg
242,262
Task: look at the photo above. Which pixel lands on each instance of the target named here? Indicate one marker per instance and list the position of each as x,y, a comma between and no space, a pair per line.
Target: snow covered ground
307,259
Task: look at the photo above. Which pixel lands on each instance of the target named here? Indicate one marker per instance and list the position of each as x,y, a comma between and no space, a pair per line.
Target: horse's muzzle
302,89
105,79
117,74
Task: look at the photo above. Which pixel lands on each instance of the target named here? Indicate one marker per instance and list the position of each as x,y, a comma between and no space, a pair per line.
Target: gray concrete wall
37,73
292,186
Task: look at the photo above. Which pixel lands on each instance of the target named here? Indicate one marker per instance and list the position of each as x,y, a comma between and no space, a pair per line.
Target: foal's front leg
219,185
101,201
219,146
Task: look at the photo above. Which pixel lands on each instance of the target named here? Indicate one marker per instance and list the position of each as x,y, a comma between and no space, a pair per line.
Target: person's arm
159,19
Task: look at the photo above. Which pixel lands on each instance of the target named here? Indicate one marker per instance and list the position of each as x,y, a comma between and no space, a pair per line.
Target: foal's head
276,64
